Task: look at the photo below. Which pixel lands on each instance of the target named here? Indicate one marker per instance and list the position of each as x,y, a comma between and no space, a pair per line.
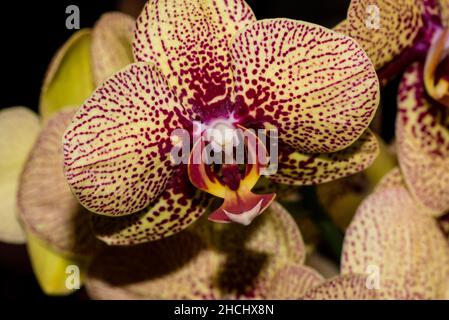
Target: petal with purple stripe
117,148
47,206
206,261
392,240
111,49
188,40
422,130
385,28
297,168
317,86
178,207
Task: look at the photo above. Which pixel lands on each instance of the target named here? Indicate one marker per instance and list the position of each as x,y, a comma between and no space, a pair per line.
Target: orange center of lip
232,181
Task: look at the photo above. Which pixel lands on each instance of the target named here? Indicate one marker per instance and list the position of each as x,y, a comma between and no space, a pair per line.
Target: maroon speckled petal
343,287
317,86
206,261
117,148
422,130
306,169
179,206
188,40
391,239
46,204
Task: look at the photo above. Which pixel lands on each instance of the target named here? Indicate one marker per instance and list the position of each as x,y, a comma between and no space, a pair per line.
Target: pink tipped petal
206,261
111,44
343,287
46,204
19,128
385,28
117,148
306,169
391,240
177,208
189,40
315,85
292,282
422,130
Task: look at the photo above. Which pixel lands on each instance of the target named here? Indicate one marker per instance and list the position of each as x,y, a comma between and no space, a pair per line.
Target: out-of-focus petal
47,207
19,128
317,86
69,79
341,27
292,282
422,133
444,12
385,28
112,36
52,270
189,40
343,287
392,179
179,206
397,246
306,169
206,261
117,148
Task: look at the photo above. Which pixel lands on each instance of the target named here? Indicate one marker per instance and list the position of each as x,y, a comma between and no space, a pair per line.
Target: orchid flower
211,62
412,35
398,244
74,71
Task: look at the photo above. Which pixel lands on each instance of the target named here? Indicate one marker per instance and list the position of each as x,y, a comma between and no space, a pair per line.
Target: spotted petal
206,261
315,85
47,207
297,168
69,80
117,148
111,44
385,28
344,287
392,240
179,206
422,130
188,40
18,130
292,282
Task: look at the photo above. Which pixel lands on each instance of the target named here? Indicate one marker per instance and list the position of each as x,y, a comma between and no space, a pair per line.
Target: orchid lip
231,181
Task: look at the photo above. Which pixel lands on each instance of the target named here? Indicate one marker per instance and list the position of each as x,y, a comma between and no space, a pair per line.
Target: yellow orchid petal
117,148
423,142
341,198
317,86
306,169
53,269
46,204
69,80
385,28
444,12
188,40
111,44
19,128
178,207
341,27
206,261
343,287
401,249
292,282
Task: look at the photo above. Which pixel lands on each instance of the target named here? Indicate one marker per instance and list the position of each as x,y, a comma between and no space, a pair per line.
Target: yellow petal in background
69,79
403,250
19,128
53,270
111,44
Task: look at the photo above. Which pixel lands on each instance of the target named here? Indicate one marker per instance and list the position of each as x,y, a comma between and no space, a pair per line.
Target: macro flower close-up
226,150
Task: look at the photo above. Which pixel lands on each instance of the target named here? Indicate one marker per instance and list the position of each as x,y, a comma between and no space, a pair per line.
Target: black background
32,31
